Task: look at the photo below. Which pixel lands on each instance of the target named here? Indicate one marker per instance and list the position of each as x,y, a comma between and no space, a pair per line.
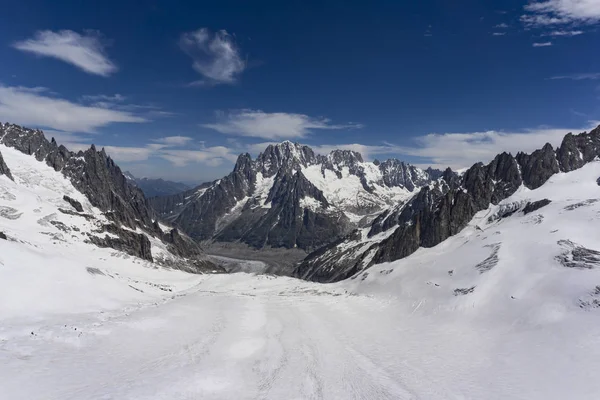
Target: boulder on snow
536,205
74,203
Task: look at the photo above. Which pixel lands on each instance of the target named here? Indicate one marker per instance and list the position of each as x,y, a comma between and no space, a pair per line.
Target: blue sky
177,89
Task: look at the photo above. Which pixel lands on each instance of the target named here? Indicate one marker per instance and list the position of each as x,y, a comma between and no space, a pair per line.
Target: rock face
290,197
536,205
4,170
96,175
441,210
74,203
135,244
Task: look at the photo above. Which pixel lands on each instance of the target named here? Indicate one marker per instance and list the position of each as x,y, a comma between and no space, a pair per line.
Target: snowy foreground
507,309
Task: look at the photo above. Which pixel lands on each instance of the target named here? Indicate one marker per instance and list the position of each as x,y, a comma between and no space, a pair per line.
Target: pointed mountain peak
286,155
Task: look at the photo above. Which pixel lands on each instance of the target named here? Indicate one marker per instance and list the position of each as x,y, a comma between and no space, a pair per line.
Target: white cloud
555,12
579,77
460,150
501,26
211,156
36,107
173,140
115,98
128,154
216,56
83,51
499,33
542,44
564,33
256,123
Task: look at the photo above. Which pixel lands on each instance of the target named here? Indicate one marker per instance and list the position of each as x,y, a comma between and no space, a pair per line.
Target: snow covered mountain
291,197
444,207
49,195
156,187
507,308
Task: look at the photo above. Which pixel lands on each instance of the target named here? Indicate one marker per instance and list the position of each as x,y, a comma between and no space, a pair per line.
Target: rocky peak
344,158
398,173
286,155
538,166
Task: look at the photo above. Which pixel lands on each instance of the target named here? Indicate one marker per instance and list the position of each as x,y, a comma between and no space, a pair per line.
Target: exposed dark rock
3,236
536,205
538,167
568,154
4,170
577,256
132,243
88,217
74,203
464,291
491,261
575,206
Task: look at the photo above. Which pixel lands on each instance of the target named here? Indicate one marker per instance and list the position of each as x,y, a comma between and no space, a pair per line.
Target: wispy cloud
557,12
83,51
563,33
542,44
579,77
112,98
173,140
501,26
499,33
256,123
210,156
216,56
39,108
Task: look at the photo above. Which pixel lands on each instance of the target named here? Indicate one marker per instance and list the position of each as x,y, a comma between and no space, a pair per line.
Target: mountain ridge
440,211
132,224
291,197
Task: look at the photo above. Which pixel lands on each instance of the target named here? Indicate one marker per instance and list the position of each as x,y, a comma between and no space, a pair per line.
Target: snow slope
507,309
47,267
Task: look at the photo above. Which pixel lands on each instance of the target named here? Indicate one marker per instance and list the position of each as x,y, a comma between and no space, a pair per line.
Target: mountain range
290,197
463,277
343,214
153,187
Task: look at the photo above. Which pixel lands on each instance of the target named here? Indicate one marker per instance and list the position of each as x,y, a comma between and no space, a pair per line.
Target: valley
89,310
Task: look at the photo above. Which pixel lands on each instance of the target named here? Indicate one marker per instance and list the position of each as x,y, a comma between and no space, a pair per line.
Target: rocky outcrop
4,170
438,212
538,167
3,236
74,203
132,243
535,205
